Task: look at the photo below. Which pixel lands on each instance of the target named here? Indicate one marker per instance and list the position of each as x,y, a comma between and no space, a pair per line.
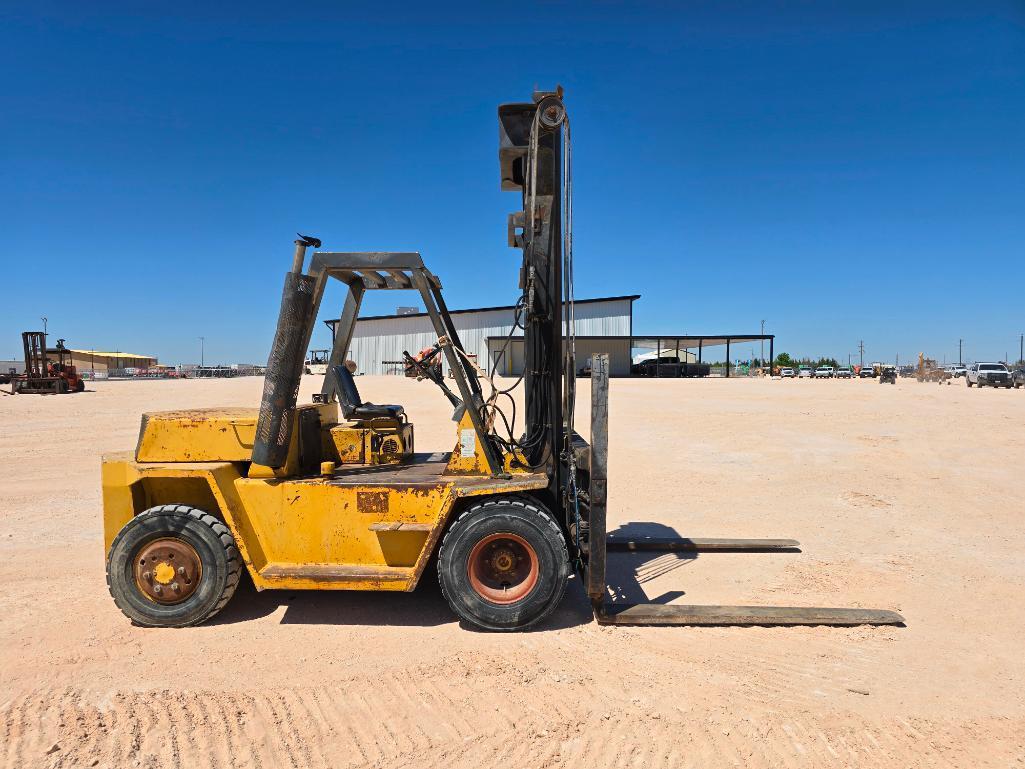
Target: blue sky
845,171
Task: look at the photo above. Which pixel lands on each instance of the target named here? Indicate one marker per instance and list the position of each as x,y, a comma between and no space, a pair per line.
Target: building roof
103,354
693,341
631,297
687,342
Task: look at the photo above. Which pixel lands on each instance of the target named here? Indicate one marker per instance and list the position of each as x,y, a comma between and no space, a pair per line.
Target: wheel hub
503,568
167,570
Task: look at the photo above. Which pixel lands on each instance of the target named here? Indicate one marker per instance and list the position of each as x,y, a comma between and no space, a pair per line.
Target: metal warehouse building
378,341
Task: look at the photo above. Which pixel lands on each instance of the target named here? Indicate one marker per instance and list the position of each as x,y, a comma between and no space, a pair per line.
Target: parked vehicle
957,370
787,373
988,375
1018,378
867,372
844,373
824,372
804,372
317,362
669,366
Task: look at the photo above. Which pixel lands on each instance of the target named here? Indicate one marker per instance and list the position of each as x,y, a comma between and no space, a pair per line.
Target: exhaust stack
285,364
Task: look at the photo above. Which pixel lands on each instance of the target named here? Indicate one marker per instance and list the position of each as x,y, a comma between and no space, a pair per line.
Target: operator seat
353,407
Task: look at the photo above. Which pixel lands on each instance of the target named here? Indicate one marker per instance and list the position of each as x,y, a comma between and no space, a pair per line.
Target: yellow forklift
332,495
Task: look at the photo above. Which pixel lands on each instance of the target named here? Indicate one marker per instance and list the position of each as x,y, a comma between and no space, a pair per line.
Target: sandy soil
906,497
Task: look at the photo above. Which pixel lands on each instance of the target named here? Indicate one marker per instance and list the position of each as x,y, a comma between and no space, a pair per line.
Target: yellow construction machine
928,370
332,495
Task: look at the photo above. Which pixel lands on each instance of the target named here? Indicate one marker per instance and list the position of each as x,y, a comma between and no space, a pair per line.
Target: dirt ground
906,497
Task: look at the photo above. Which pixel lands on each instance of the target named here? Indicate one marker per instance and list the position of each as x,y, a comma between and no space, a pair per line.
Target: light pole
761,352
959,361
43,318
202,350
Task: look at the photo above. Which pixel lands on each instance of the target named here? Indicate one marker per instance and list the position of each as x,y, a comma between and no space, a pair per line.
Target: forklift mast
532,154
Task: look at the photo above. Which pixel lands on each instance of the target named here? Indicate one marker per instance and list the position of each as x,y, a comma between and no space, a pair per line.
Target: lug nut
181,571
157,589
175,587
147,576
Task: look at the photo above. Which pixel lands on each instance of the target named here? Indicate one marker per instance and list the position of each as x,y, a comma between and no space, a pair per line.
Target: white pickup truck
988,375
824,372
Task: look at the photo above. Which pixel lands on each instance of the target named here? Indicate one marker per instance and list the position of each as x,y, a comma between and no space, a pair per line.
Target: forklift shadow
424,607
627,572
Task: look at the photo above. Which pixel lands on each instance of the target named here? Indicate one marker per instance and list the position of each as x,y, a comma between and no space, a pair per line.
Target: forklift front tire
173,566
503,564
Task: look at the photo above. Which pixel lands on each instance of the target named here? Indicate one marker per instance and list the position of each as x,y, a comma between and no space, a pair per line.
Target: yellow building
102,360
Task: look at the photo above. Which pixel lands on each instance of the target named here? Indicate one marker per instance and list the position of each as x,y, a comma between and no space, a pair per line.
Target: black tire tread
525,504
223,535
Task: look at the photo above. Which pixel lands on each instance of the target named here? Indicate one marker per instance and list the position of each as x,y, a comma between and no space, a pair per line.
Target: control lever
425,372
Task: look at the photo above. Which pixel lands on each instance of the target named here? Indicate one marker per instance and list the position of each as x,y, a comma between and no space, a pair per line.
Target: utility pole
43,318
960,362
762,353
202,350
861,352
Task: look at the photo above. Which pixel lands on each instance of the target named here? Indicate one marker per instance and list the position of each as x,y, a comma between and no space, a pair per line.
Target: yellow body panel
213,435
467,456
348,443
357,443
364,527
197,435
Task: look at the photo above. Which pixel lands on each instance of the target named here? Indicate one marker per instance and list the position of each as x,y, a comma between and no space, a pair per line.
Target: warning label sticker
467,443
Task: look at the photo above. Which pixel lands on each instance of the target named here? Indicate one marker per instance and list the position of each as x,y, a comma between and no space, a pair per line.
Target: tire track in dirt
404,720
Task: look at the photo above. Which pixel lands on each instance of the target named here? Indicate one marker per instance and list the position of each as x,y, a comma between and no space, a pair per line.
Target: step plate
673,614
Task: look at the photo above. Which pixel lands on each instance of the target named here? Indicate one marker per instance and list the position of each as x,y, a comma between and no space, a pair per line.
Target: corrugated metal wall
618,350
384,339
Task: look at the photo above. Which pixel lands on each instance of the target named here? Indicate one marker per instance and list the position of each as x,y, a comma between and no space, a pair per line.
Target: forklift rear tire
154,588
503,564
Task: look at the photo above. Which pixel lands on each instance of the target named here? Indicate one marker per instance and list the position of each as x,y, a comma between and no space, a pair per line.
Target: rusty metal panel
197,435
372,502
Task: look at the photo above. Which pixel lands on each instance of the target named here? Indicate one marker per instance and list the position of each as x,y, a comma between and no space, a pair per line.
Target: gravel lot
906,497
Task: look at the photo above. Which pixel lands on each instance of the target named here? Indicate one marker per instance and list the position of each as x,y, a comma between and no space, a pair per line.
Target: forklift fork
600,544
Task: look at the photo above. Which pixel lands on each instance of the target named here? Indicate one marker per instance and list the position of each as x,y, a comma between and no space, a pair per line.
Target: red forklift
44,376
